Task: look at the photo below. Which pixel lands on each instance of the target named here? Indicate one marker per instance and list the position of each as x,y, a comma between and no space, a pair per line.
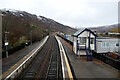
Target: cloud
70,12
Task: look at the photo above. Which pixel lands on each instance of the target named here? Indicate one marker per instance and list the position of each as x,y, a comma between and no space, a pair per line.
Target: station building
85,42
84,39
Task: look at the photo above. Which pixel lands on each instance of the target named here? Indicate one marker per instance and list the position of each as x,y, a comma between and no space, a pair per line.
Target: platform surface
17,56
89,69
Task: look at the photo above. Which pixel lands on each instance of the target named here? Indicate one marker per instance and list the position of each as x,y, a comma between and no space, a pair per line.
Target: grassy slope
116,29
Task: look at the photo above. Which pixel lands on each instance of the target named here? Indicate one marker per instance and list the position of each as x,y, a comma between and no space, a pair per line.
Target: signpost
6,44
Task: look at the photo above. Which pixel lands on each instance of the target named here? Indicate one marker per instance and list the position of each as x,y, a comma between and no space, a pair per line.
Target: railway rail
21,65
52,71
32,68
47,61
46,65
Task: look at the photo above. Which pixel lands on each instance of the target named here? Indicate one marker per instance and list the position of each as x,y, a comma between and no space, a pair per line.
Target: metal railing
89,53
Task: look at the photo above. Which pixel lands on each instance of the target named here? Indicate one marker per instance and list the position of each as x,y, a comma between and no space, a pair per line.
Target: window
105,44
92,41
83,40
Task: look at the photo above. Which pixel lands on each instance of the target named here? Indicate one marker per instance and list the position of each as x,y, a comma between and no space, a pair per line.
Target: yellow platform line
68,66
16,64
66,60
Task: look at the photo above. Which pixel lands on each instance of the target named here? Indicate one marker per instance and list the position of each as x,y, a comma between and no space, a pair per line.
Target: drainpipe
95,43
89,40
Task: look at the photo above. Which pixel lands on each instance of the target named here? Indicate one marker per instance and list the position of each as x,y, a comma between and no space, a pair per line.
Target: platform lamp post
6,43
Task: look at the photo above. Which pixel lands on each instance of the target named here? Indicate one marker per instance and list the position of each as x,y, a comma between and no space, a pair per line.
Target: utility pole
1,42
6,43
1,34
31,27
31,37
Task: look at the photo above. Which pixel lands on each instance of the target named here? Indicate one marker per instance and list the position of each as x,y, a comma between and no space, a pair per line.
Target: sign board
6,43
26,43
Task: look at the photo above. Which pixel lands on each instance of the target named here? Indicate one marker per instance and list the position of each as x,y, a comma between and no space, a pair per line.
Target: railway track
32,68
52,71
46,65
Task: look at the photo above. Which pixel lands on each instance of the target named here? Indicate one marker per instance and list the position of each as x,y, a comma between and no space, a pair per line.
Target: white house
84,39
85,42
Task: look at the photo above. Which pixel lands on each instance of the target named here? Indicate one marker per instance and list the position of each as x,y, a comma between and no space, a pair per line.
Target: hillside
56,25
116,29
107,31
113,28
22,26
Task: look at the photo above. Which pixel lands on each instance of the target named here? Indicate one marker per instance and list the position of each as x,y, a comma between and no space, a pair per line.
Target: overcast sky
74,13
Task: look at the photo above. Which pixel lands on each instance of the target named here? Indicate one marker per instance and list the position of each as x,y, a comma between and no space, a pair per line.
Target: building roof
67,35
76,33
107,38
82,30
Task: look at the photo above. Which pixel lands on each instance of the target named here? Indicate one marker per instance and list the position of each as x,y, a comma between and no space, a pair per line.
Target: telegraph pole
1,34
6,43
31,37
1,42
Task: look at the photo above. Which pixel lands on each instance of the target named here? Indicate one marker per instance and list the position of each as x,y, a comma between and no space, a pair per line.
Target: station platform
15,60
93,70
15,57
